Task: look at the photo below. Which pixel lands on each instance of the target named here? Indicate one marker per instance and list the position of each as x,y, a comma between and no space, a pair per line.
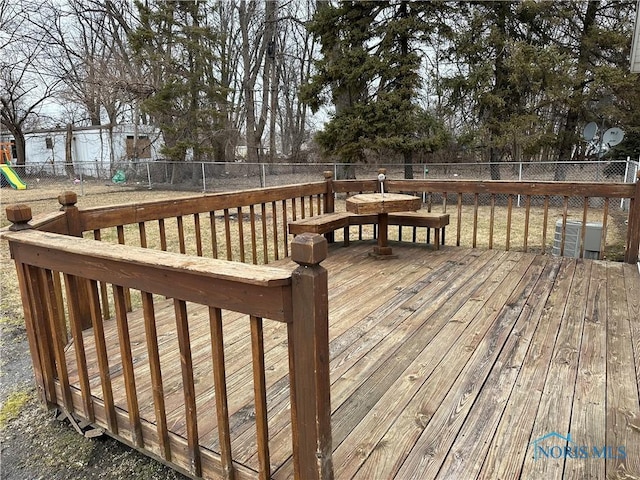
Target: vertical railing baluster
163,234
459,225
142,230
564,224
527,212
220,387
188,386
227,233
583,229
475,220
58,338
509,213
545,221
38,332
240,233
102,356
260,397
265,236
181,239
214,234
284,226
274,218
57,290
126,358
104,293
121,241
198,233
603,238
254,241
492,218
75,321
151,336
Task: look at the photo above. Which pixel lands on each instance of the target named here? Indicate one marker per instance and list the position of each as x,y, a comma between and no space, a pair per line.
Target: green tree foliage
531,73
175,45
370,72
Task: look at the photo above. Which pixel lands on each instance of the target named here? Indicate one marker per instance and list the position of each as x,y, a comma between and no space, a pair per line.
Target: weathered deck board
444,364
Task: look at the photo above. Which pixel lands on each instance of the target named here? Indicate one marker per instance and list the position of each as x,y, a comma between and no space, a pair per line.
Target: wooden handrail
158,272
130,213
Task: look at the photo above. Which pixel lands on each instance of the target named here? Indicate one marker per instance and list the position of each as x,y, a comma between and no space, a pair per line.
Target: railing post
633,228
329,197
68,202
38,338
309,352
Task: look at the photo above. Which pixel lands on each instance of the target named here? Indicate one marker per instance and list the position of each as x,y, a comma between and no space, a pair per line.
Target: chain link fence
132,179
215,177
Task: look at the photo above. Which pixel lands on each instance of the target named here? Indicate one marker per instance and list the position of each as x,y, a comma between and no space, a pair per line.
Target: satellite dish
613,136
589,131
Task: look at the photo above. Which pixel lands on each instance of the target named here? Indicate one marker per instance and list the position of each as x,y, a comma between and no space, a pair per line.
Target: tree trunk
408,165
68,158
20,147
494,167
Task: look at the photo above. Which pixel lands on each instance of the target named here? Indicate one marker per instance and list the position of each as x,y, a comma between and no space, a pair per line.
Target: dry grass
44,200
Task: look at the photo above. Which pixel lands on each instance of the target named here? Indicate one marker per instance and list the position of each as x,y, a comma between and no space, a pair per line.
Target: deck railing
248,226
70,285
507,210
60,278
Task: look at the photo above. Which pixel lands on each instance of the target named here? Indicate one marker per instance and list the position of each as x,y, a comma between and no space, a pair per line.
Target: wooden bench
437,221
320,224
330,222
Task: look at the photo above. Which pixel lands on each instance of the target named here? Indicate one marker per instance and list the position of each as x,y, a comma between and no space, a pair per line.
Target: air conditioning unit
573,233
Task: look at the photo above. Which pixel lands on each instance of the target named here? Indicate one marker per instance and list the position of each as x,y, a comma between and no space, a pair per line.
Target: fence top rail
217,283
128,213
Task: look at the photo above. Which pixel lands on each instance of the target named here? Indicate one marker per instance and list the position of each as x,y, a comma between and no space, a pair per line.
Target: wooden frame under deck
71,285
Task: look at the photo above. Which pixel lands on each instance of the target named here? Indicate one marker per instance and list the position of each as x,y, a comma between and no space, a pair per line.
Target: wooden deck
457,363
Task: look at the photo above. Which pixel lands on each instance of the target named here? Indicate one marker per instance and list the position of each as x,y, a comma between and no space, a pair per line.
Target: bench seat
320,224
437,221
327,223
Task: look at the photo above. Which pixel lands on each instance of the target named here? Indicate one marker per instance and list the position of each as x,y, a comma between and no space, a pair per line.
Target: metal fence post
148,174
204,179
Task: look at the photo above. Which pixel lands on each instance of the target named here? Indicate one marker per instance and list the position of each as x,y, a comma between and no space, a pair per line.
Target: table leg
383,231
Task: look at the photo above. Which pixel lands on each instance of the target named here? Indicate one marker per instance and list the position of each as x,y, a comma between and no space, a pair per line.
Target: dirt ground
34,445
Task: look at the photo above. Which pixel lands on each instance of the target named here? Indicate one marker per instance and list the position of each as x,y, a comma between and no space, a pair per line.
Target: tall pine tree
371,69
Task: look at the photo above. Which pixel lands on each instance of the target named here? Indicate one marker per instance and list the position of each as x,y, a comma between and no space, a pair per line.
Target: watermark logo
554,446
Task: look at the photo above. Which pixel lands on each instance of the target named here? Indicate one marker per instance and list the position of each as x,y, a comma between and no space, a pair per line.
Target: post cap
19,215
68,198
328,174
309,249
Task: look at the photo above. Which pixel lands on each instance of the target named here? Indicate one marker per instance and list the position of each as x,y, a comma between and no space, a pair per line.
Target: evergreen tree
175,46
531,72
371,67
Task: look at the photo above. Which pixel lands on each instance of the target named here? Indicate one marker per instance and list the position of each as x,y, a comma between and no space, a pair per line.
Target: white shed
96,151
